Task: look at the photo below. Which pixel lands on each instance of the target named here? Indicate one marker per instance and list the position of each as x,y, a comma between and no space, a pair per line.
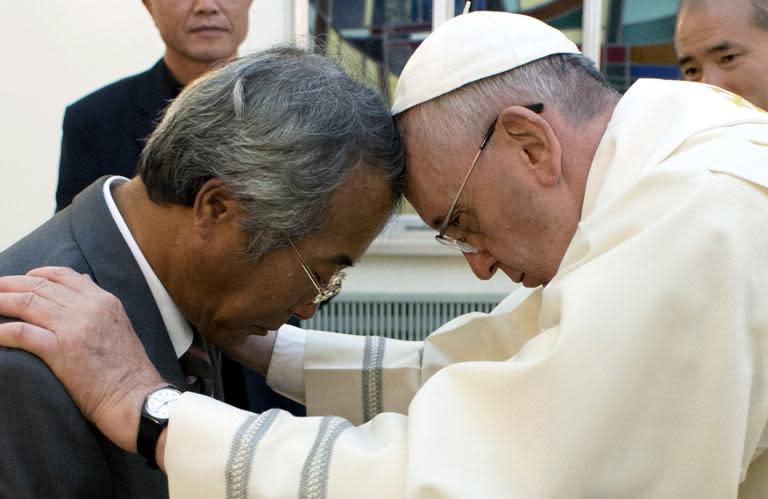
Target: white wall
56,51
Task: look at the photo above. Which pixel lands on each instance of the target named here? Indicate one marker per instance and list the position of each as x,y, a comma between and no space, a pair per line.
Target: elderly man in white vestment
633,365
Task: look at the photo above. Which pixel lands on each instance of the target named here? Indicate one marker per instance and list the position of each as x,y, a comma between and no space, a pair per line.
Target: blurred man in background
725,43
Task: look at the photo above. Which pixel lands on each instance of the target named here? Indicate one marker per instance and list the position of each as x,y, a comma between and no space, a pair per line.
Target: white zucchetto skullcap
471,47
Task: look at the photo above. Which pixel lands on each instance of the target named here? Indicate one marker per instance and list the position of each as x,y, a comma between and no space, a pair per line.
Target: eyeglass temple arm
305,266
537,108
486,139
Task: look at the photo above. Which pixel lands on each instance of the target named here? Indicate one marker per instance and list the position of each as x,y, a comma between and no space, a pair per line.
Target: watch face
159,403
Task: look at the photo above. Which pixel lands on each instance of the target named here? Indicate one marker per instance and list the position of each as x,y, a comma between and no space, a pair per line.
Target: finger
33,339
80,284
63,275
18,283
39,286
85,293
29,307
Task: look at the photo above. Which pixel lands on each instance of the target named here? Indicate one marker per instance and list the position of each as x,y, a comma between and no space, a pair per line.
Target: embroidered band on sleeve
373,360
238,469
314,476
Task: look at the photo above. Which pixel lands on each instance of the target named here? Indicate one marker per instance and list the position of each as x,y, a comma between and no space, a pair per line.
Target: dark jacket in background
104,132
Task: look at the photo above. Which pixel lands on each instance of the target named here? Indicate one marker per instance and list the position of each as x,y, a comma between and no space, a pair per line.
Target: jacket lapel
116,271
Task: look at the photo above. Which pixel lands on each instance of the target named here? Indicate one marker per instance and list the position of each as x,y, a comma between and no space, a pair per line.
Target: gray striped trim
373,359
238,470
314,475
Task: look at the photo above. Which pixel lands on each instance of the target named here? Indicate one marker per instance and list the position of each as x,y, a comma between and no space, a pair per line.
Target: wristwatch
154,418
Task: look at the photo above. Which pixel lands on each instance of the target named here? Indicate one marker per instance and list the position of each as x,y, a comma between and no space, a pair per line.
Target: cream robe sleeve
358,377
646,378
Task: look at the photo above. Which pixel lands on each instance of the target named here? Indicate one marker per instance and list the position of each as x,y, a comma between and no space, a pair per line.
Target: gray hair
283,129
569,82
759,11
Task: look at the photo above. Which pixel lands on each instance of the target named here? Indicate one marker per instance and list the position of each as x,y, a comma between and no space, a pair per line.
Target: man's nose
482,263
206,6
717,78
305,311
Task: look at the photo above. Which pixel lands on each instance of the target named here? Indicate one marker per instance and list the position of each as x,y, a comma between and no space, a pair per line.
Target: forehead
433,175
359,210
703,25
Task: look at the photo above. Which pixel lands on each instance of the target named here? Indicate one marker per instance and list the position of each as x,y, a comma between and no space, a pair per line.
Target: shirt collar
179,329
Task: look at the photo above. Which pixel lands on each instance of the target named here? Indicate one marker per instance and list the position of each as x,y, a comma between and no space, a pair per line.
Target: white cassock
640,371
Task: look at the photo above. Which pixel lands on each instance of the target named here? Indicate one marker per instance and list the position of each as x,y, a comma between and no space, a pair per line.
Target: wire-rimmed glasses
323,292
459,243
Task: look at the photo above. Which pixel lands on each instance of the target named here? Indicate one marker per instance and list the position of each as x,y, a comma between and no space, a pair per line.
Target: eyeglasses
323,292
459,243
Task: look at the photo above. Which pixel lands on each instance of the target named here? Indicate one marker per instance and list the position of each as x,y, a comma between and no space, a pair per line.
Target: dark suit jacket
47,449
104,132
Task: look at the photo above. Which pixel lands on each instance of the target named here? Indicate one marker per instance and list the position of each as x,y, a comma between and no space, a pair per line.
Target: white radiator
400,317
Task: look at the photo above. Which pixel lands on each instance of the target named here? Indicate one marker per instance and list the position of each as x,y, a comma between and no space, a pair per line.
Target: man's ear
534,138
215,207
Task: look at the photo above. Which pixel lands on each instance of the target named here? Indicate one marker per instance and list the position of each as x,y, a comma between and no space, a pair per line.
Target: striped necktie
196,366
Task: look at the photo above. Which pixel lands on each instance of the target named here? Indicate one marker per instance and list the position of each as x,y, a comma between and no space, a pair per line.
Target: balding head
759,8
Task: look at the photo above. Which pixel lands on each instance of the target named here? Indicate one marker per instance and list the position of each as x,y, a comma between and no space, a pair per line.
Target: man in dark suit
242,213
104,132
47,450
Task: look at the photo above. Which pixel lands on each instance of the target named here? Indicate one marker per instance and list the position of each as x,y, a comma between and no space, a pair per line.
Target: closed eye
728,58
690,73
455,219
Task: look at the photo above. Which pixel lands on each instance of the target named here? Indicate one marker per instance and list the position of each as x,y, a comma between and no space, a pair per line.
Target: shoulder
43,434
740,172
50,244
21,370
32,396
118,93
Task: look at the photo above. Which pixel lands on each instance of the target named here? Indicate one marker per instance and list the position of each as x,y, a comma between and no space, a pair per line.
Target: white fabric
640,371
177,326
471,47
285,375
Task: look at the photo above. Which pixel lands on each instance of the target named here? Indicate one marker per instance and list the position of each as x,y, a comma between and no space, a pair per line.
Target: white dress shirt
177,326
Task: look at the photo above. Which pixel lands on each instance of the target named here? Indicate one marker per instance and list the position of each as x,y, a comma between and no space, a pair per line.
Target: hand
82,333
